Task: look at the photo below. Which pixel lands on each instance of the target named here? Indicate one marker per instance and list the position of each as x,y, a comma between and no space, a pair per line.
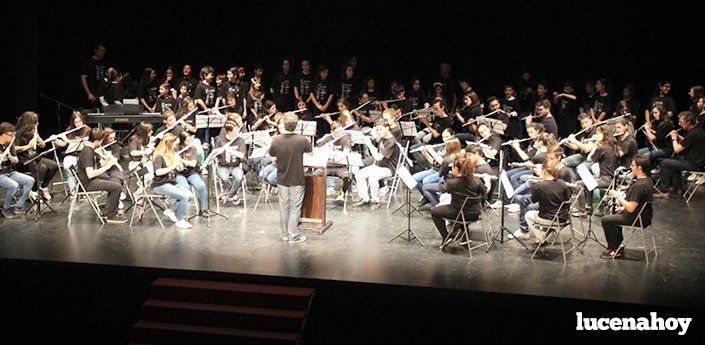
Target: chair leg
71,207
159,219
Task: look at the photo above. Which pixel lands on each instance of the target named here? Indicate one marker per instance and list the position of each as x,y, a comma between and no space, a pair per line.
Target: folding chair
145,198
62,179
634,227
462,236
79,191
692,186
557,226
218,186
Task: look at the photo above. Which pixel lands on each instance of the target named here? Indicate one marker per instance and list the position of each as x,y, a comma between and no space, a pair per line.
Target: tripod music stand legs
408,234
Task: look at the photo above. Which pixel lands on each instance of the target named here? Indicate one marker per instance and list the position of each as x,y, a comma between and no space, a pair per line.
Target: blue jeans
269,174
518,178
196,181
652,153
10,182
430,192
525,205
178,192
224,174
422,175
290,200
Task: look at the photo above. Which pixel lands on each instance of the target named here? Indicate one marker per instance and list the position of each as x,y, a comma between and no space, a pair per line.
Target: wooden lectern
313,209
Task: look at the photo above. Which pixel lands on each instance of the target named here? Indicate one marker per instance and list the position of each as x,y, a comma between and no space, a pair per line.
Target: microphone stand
38,201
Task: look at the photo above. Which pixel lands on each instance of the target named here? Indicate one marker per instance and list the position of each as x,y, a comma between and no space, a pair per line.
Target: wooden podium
313,209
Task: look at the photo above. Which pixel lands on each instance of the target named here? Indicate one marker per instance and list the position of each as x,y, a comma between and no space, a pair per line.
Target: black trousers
613,232
671,172
112,186
43,170
438,214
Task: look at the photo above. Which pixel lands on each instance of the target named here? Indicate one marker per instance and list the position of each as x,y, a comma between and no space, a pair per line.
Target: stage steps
195,311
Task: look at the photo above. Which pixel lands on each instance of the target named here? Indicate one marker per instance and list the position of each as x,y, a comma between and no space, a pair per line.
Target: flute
169,128
210,109
7,150
107,156
426,147
471,121
57,136
518,141
530,116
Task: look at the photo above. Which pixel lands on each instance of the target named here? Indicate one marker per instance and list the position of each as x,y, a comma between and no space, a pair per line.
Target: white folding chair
79,192
145,197
395,180
694,185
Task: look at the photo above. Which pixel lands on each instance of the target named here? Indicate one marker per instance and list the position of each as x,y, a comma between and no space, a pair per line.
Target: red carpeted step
247,295
162,333
228,316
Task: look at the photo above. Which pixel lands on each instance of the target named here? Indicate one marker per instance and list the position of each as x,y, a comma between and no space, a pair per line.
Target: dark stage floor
356,249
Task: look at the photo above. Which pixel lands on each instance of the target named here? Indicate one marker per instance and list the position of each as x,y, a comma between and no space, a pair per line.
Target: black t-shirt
304,82
228,158
694,145
169,177
6,166
550,194
206,93
176,130
603,104
135,144
289,149
22,140
641,191
283,91
417,99
390,150
87,158
439,125
150,93
349,89
114,93
629,147
667,102
240,88
95,70
167,103
459,188
550,125
663,140
607,158
567,115
322,90
190,81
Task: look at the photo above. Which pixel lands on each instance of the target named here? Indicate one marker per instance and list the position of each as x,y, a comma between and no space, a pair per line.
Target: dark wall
489,41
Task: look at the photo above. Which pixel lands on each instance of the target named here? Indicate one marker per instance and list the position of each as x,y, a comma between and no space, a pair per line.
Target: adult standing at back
288,150
93,71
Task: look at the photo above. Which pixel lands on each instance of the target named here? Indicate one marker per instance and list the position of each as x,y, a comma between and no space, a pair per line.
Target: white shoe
121,205
235,200
700,181
525,236
513,208
284,238
33,195
123,196
171,215
330,192
383,191
183,224
45,193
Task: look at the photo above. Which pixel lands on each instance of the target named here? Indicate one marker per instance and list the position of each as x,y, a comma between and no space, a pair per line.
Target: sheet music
587,178
259,152
508,189
496,125
357,137
435,155
355,159
307,128
405,176
74,146
318,159
216,121
408,128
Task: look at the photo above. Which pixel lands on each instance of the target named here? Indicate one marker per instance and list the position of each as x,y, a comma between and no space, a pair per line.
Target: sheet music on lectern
408,128
508,189
406,176
216,121
587,178
318,158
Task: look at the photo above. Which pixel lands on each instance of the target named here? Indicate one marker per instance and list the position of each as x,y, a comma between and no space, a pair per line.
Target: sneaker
520,234
116,219
513,208
330,192
374,205
121,205
45,193
297,239
123,196
361,203
235,200
183,224
579,214
223,198
383,191
341,196
609,254
655,170
203,214
284,238
33,195
422,202
700,181
21,210
8,213
171,215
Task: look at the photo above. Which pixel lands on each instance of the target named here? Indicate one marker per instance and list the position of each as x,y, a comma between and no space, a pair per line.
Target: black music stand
38,200
499,235
208,161
407,234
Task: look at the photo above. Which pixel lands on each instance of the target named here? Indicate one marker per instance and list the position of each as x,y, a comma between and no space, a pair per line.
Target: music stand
590,185
38,200
208,161
496,125
503,186
208,122
410,183
408,128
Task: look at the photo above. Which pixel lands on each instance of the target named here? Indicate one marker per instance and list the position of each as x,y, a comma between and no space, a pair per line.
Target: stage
355,249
